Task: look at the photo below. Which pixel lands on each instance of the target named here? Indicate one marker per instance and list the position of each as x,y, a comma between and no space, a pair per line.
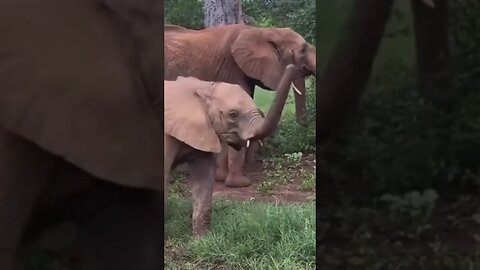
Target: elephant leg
251,154
221,170
126,234
24,171
171,148
202,179
166,182
236,175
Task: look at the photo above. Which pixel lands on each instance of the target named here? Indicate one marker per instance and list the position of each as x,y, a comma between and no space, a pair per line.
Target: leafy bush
298,15
401,140
186,13
291,136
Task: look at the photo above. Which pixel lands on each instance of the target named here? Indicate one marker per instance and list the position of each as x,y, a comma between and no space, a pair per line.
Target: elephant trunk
269,124
312,60
300,100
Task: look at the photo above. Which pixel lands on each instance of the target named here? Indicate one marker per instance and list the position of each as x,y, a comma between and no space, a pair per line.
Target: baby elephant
200,116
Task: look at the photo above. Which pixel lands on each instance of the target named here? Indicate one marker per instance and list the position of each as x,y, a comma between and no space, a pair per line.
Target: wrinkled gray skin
79,87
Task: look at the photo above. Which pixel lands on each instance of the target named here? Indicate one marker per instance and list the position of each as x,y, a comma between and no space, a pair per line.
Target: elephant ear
67,85
186,113
257,52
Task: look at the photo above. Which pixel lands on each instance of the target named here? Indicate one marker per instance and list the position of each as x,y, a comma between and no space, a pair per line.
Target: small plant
414,208
177,187
265,187
309,181
293,158
283,170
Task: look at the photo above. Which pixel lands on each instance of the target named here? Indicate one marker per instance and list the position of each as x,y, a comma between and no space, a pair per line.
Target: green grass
243,235
263,100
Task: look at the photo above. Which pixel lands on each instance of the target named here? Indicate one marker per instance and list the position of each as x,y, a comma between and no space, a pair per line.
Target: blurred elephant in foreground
80,92
238,54
200,116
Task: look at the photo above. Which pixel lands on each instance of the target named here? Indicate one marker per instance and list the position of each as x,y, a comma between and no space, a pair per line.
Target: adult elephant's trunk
268,125
312,60
301,100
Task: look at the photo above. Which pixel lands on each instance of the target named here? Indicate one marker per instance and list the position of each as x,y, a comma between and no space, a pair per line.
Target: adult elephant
79,92
239,54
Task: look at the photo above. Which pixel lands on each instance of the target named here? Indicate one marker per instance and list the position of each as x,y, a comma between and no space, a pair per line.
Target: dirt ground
292,192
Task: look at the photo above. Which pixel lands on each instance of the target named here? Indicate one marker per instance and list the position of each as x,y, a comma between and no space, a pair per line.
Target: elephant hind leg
24,171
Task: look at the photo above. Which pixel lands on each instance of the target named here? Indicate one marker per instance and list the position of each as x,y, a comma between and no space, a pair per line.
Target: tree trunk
431,40
348,69
222,12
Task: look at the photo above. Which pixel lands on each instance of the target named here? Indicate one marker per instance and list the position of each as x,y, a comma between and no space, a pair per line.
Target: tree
431,40
222,12
348,69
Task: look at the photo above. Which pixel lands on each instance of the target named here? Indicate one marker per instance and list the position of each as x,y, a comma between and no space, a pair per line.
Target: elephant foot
237,180
220,174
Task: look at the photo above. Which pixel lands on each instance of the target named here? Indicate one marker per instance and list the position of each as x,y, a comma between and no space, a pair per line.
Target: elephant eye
233,114
304,48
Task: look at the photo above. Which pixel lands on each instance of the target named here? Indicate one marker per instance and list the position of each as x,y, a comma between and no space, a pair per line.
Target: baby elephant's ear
186,114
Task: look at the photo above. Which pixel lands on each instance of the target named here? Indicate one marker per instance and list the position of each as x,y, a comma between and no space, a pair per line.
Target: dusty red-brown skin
243,55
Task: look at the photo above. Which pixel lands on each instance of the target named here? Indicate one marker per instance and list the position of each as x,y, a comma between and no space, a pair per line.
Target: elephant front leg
236,175
202,179
221,170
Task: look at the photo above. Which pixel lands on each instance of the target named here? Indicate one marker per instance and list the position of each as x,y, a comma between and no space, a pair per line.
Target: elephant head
263,54
205,114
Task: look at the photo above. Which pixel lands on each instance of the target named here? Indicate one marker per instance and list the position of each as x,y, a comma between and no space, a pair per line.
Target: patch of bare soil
293,191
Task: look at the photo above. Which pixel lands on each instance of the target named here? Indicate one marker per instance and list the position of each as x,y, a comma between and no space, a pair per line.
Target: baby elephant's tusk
248,143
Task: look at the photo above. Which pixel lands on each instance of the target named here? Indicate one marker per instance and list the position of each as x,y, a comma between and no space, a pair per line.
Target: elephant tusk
248,143
261,143
296,89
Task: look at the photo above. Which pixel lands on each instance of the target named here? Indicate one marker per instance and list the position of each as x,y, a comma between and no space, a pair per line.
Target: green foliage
291,136
403,139
186,13
285,169
243,236
309,182
298,15
407,231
